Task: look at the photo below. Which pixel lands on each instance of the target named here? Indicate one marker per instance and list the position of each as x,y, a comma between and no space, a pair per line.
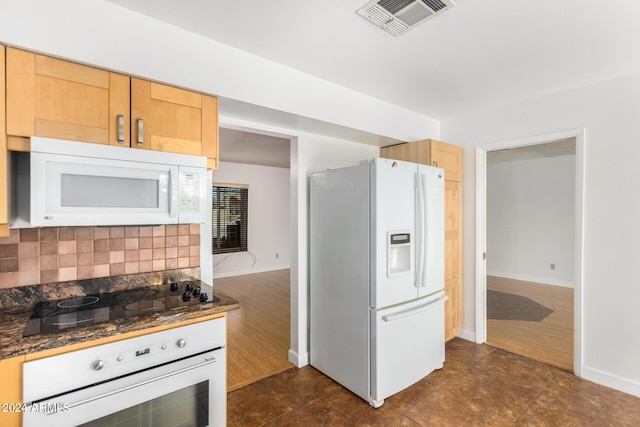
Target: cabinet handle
120,129
140,132
435,163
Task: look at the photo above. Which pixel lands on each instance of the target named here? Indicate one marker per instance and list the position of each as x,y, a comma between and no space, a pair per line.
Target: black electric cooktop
55,316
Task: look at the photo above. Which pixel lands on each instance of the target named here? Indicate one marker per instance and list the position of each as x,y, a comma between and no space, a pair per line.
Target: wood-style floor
550,340
258,332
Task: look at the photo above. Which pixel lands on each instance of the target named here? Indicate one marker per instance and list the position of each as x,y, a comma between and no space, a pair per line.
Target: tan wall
32,256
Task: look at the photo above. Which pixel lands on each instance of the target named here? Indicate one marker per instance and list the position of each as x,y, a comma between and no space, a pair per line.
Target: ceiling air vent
398,16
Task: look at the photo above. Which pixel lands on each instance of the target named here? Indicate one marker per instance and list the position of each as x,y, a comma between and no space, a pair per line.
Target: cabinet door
169,119
417,152
4,227
11,391
58,99
453,258
447,157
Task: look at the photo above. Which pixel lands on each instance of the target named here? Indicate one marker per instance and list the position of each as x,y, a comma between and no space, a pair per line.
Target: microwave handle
173,186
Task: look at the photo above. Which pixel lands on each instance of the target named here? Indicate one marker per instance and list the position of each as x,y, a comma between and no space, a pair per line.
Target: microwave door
65,190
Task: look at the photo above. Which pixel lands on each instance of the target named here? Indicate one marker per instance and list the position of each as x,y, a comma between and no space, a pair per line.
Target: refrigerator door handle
425,230
414,311
421,228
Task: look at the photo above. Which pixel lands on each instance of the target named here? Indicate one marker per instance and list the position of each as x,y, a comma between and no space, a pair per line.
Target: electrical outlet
277,255
552,266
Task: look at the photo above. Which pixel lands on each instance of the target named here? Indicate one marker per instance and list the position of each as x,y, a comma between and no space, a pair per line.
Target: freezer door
430,252
407,344
393,195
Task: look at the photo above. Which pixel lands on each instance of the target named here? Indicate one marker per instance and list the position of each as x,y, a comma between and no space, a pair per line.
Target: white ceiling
479,54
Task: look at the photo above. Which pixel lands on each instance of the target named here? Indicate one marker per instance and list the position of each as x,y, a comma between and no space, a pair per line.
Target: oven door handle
209,360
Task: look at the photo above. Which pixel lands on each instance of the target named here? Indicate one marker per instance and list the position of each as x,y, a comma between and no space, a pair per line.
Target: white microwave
82,184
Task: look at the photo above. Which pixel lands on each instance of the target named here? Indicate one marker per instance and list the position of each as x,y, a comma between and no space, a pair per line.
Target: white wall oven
171,378
75,184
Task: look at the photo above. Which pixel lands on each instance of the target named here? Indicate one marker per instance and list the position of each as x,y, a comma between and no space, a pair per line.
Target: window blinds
230,219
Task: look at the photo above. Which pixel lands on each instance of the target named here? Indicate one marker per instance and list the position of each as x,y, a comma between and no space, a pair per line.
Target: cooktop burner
55,316
78,302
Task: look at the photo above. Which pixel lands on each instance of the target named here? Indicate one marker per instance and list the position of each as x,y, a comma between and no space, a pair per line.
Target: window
230,217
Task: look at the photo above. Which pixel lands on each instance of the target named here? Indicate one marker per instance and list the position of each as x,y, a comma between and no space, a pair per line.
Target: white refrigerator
377,275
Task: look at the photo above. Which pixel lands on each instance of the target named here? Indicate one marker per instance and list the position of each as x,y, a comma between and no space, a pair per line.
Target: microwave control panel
189,192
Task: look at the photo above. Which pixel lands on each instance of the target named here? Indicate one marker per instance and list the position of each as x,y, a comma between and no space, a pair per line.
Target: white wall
268,228
531,219
609,113
109,36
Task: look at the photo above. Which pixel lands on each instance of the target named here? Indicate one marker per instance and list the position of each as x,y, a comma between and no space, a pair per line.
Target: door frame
481,232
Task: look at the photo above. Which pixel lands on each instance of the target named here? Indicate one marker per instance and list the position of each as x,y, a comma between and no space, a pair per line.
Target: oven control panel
164,350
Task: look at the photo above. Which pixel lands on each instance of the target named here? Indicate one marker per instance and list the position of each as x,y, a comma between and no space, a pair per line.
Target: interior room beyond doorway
531,250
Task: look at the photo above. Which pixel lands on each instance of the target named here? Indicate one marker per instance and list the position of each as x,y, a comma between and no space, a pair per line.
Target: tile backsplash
31,256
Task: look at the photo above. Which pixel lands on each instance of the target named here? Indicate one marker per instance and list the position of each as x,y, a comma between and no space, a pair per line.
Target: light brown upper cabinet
59,99
166,118
448,157
4,214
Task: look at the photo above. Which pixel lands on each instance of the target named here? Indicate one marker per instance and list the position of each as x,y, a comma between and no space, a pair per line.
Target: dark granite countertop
16,307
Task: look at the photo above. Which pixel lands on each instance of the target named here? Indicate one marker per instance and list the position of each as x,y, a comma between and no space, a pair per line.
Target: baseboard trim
252,271
612,381
298,359
534,279
468,335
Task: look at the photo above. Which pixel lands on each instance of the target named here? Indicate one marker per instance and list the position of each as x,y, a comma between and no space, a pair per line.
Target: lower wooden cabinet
4,190
11,391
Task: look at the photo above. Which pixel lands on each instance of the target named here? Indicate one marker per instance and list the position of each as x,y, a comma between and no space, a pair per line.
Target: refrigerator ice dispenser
399,261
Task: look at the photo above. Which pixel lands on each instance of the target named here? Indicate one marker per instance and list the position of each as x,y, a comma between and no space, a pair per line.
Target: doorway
525,283
530,242
258,277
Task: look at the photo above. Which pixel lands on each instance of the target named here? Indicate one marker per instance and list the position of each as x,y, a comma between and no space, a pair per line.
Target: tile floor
478,386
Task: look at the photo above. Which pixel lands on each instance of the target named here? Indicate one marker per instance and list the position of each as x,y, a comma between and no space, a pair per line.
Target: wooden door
57,99
429,152
449,157
4,193
453,258
169,119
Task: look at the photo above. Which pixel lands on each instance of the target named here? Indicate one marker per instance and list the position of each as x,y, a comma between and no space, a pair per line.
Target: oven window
188,407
